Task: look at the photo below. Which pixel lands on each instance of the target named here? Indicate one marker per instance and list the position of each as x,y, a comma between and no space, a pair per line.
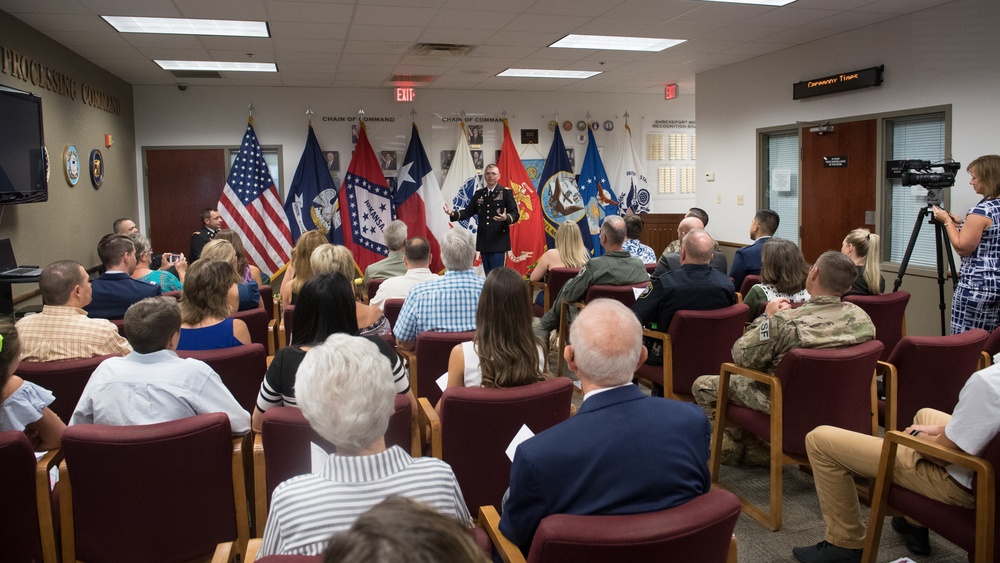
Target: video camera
923,173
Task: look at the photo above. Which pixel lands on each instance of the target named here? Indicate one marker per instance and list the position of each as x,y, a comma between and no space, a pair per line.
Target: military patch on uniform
764,332
645,293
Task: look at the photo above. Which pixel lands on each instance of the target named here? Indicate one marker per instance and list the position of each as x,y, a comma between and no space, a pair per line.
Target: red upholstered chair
432,349
391,309
974,530
748,283
26,530
64,378
285,437
477,424
698,530
240,367
258,325
120,323
372,287
157,492
927,371
650,268
990,348
704,341
888,314
555,279
624,294
267,296
812,387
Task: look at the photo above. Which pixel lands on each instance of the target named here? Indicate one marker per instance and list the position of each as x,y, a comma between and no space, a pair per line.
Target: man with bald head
671,261
615,267
695,285
552,474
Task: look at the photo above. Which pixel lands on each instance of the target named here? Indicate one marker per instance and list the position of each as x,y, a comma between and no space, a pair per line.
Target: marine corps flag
365,204
561,200
527,239
312,198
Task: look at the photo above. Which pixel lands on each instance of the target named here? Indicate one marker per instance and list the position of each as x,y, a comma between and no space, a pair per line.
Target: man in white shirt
152,384
417,256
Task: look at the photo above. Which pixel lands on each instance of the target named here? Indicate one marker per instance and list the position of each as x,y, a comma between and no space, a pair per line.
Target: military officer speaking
496,210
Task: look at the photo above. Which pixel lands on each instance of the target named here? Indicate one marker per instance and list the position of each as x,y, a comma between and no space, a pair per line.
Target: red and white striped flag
250,206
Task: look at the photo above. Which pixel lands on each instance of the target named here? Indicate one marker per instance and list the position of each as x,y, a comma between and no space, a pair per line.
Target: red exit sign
670,91
405,94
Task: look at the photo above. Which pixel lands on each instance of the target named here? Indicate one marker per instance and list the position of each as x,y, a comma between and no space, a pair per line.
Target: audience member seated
345,390
144,271
837,455
115,290
569,252
822,322
247,271
600,461
671,261
299,271
402,530
505,352
417,256
24,406
615,267
248,292
335,258
701,215
695,286
447,304
62,331
783,273
862,247
326,308
747,259
206,304
152,384
633,228
392,265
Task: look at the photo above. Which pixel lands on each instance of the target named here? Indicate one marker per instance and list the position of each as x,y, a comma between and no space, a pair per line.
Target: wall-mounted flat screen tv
22,148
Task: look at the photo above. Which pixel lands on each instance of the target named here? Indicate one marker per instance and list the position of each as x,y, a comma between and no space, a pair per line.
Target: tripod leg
909,248
940,239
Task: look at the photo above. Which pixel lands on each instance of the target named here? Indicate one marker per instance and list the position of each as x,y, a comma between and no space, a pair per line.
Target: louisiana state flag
560,196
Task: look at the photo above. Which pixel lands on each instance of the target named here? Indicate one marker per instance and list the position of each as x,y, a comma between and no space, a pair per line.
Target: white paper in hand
318,457
443,381
523,434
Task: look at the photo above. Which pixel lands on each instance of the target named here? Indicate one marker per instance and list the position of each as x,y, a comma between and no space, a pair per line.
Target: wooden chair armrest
67,531
253,548
730,368
948,455
43,498
272,330
537,285
890,379
985,360
428,420
563,335
259,482
668,360
224,553
240,445
489,521
410,357
279,338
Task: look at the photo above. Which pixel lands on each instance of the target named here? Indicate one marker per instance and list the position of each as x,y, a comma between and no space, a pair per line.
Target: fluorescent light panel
615,43
758,2
542,73
217,65
182,26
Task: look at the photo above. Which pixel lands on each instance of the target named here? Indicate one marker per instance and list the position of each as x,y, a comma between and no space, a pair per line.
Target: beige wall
70,223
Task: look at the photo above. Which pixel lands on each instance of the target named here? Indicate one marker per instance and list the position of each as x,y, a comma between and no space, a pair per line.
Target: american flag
250,206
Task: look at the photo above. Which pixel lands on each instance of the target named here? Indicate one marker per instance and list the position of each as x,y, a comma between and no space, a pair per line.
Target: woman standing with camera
976,303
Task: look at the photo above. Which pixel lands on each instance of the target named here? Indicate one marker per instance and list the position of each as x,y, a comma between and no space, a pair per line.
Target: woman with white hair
345,390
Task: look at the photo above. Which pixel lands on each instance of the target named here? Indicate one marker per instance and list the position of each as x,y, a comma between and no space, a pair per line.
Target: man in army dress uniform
212,223
497,211
615,267
822,322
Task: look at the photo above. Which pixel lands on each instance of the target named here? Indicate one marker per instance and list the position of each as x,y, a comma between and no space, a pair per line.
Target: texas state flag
365,205
418,199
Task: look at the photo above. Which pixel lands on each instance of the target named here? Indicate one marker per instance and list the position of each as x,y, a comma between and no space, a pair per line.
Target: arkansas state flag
365,205
527,236
418,199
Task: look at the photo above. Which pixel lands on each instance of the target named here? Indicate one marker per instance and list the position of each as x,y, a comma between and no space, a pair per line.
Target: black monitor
22,148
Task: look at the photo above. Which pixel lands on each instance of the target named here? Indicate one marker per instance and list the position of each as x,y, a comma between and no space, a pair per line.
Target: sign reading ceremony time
852,80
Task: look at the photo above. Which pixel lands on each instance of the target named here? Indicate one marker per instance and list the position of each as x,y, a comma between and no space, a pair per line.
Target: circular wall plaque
552,125
595,125
71,162
581,125
96,168
609,125
567,125
581,138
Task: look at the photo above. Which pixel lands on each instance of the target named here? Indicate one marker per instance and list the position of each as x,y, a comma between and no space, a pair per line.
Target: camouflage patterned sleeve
757,347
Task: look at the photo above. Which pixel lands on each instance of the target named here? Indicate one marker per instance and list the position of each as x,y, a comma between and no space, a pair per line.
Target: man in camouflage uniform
615,267
822,322
699,213
671,261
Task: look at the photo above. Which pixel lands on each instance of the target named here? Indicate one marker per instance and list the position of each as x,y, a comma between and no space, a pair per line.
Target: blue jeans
493,260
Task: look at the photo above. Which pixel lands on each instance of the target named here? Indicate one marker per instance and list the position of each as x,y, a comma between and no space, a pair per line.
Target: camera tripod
942,248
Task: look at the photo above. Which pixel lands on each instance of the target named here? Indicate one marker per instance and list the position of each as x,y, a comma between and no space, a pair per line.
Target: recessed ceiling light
542,73
760,2
217,65
181,26
615,43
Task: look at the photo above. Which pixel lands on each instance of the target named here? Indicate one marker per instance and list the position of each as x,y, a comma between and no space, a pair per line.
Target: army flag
560,197
418,199
595,189
462,180
630,180
365,204
527,238
312,197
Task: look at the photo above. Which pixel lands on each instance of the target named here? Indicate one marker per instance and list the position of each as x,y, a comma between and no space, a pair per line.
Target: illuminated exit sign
669,91
405,94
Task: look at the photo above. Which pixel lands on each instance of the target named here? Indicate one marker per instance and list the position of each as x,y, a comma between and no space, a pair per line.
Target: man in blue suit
115,290
603,461
747,259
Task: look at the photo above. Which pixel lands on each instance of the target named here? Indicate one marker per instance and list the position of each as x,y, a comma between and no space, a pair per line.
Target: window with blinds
782,182
918,137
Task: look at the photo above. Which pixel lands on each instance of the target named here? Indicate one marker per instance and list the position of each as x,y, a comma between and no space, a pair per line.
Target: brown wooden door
180,183
838,185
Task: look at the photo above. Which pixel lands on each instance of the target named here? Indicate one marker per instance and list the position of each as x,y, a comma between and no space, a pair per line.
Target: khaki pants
837,454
